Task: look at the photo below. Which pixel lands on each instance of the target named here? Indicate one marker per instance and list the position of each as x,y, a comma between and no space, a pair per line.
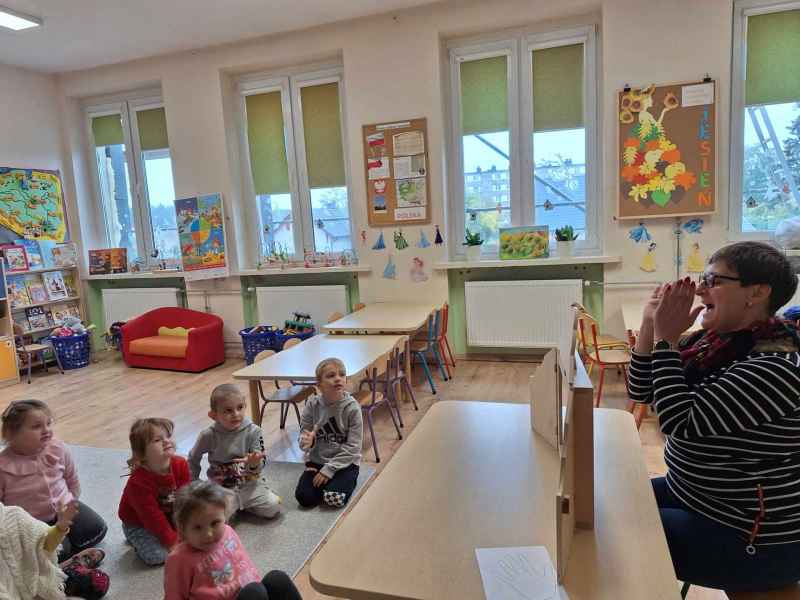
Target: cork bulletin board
667,150
397,173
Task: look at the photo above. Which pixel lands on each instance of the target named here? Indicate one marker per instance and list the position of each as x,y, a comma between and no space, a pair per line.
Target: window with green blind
765,156
293,131
523,101
133,178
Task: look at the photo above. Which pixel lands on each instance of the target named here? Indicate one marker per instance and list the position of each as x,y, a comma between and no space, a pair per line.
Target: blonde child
331,432
147,502
235,448
210,563
37,473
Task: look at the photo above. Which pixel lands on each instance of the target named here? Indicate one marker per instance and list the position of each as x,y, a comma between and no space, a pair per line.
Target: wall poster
201,229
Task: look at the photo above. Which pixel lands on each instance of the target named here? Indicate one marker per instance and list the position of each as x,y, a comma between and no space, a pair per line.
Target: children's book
33,252
100,262
119,260
54,284
37,317
59,311
2,281
17,291
65,255
15,257
70,283
21,320
36,289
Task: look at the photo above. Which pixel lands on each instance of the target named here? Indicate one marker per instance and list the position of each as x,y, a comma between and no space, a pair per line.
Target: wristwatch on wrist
663,345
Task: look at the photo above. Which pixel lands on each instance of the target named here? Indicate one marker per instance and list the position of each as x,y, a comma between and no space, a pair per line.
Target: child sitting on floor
235,448
331,431
28,569
210,563
147,501
37,473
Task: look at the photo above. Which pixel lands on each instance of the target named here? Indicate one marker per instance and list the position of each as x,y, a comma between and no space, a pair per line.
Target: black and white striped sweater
735,430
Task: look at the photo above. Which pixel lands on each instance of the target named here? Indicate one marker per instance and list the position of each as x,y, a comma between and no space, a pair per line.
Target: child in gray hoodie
331,432
235,448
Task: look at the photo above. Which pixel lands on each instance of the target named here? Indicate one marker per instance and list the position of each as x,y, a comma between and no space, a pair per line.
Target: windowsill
153,275
535,262
304,270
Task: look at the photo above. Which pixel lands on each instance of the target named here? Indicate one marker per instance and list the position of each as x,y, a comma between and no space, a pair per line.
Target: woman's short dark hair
757,262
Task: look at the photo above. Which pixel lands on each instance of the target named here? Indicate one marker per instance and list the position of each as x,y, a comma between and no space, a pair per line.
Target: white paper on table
518,573
408,143
409,214
697,94
409,166
378,168
411,192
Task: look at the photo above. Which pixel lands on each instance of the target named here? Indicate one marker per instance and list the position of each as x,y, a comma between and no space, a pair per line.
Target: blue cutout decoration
423,240
693,226
390,271
639,234
379,244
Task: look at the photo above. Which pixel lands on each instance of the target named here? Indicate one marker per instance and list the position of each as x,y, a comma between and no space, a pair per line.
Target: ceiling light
11,19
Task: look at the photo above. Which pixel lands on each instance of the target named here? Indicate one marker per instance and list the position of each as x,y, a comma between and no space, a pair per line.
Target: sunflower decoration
651,163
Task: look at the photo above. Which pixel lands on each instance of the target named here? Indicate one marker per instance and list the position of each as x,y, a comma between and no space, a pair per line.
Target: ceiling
79,34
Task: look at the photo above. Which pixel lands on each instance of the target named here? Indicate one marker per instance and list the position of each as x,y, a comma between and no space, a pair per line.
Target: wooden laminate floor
96,405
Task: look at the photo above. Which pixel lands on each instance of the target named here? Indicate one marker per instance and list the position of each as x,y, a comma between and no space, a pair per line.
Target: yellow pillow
174,331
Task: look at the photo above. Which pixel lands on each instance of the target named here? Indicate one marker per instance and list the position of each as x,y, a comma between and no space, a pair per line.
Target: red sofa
202,349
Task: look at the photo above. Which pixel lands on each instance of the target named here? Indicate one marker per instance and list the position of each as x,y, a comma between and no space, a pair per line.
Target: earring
748,304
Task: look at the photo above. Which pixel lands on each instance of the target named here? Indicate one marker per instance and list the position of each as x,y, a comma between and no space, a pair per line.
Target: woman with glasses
728,401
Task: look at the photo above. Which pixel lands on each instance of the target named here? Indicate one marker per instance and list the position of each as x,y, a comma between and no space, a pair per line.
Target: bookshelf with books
8,354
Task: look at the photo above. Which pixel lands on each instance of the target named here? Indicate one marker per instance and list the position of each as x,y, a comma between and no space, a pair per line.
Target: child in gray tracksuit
331,432
235,448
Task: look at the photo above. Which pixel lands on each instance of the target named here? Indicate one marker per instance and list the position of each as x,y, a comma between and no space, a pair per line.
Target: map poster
201,231
31,205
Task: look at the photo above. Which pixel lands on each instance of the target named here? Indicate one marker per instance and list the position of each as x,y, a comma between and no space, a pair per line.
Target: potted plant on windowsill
565,240
473,242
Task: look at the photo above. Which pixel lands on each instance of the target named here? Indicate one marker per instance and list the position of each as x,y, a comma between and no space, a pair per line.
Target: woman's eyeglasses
710,280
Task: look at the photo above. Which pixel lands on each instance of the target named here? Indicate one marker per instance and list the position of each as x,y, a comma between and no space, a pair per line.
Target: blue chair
421,348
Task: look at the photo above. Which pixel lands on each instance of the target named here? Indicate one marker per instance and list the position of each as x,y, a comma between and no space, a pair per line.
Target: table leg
254,401
407,367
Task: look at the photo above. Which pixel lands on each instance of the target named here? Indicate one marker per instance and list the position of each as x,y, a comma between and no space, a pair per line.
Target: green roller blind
558,88
323,135
152,129
107,130
267,144
773,66
484,95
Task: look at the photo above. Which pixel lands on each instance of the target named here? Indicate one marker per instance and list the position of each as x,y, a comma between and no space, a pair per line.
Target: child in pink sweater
210,562
37,473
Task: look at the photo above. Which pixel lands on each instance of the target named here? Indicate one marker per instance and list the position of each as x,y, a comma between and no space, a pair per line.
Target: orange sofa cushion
161,345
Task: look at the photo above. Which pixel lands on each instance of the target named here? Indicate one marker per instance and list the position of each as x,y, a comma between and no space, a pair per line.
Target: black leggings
86,531
335,493
276,585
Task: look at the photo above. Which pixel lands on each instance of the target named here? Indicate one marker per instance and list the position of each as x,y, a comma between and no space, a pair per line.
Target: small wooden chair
372,398
334,316
615,358
444,343
28,352
420,349
396,381
292,395
604,342
359,306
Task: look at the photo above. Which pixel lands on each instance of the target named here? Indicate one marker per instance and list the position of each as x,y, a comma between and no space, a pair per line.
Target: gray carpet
284,543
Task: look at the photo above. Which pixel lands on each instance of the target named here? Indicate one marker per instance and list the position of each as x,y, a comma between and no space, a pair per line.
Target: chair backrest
445,318
359,306
263,354
434,325
586,348
334,316
291,342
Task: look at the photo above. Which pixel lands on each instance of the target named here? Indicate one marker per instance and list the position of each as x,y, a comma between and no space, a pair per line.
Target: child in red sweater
210,563
147,502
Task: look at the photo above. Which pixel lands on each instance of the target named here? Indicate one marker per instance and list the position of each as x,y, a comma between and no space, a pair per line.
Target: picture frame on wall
520,243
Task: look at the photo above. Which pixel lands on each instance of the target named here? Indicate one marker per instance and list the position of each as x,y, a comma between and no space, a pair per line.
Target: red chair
201,349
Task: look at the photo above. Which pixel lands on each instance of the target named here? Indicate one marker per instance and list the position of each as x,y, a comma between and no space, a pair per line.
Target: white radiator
521,314
276,304
123,304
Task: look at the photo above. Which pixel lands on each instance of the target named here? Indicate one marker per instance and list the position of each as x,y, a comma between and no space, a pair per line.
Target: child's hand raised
307,438
66,514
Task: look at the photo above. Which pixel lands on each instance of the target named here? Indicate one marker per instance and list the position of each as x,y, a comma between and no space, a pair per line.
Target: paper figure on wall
695,262
693,226
639,234
363,237
648,263
390,270
399,240
423,240
379,243
418,273
438,240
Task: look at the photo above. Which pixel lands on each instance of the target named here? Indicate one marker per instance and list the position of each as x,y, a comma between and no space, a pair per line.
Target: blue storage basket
72,350
281,337
256,342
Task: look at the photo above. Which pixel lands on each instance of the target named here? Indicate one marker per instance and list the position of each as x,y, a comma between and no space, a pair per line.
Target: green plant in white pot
473,242
565,240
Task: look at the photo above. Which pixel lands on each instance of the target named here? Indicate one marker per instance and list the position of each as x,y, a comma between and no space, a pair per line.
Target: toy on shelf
301,323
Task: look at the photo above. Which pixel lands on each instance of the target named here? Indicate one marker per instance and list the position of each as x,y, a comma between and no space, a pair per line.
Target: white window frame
126,107
742,10
290,84
518,47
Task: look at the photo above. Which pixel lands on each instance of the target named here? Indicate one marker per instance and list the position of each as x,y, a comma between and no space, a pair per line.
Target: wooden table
474,475
299,362
632,317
